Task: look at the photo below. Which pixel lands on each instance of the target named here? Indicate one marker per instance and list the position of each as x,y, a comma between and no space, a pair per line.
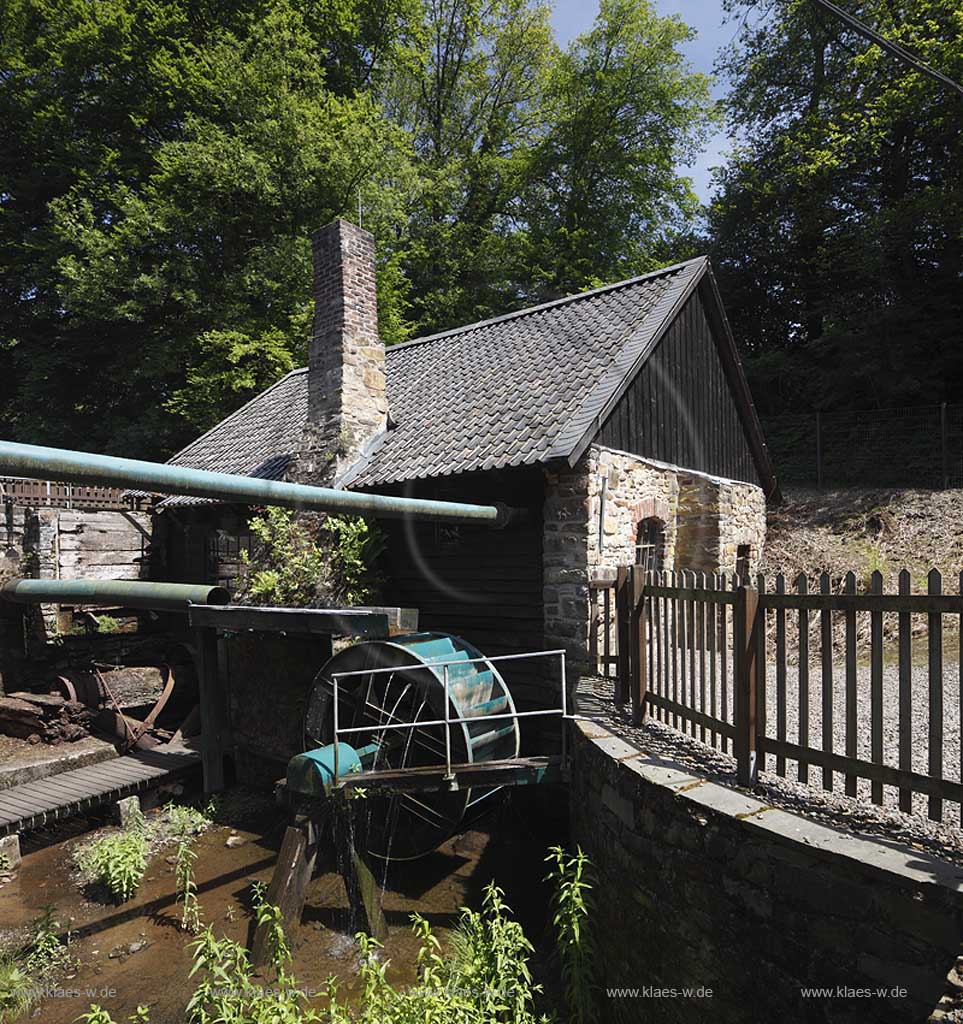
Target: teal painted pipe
173,597
59,464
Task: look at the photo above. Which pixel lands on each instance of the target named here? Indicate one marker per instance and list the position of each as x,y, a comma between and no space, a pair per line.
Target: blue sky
572,17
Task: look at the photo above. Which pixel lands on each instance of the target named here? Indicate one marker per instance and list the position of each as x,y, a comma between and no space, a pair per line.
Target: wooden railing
788,680
45,493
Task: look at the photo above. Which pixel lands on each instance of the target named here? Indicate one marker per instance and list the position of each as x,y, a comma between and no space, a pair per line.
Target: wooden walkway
33,804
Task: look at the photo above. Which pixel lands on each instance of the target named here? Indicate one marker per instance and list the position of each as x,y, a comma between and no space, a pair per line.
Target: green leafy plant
117,861
307,561
26,969
187,888
485,977
570,875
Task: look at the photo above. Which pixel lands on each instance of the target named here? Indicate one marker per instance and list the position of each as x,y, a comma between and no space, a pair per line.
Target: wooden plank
946,604
934,583
324,621
744,683
594,628
712,626
637,649
701,645
849,584
876,686
212,710
708,596
622,631
724,664
673,637
780,584
826,679
288,885
607,636
936,788
959,669
725,728
762,660
905,692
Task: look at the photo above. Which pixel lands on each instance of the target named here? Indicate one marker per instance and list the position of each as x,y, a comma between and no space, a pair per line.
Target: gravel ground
856,814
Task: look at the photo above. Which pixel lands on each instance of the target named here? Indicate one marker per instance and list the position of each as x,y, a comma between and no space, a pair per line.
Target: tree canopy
837,232
163,164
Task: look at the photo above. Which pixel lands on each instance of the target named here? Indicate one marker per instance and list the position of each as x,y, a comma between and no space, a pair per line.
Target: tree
162,168
606,200
163,165
545,172
838,228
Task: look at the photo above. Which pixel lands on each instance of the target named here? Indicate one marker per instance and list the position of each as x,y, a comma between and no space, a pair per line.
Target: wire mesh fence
917,446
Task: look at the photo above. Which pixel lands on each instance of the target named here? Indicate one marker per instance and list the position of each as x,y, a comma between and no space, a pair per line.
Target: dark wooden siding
680,407
475,581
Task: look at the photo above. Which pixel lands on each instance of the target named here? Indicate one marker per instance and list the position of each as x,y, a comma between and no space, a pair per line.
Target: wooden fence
45,493
788,680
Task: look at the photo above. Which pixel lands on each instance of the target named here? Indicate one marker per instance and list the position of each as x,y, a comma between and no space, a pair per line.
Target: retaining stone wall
701,885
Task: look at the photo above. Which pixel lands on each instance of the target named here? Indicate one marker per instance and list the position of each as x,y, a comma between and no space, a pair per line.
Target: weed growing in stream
26,968
484,979
117,861
187,888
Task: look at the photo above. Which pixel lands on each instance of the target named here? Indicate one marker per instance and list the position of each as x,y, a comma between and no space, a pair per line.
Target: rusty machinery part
402,680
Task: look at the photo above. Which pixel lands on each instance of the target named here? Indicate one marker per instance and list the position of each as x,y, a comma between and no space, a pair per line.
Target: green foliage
311,561
117,861
25,970
15,986
187,887
483,979
836,231
570,876
162,168
107,624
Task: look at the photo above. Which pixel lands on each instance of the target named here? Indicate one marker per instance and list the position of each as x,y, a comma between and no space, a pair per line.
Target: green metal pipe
162,478
169,597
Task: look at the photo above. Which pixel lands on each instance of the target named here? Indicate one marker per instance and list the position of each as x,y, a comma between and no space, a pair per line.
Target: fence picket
761,661
876,686
905,692
724,661
849,587
935,670
826,655
802,587
711,633
701,645
781,674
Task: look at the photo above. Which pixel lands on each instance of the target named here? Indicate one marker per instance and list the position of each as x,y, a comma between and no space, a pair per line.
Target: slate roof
515,390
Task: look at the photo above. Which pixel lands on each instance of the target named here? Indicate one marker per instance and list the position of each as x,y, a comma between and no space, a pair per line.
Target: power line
897,50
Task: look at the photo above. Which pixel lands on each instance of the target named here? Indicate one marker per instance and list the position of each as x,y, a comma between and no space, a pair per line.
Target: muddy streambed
136,953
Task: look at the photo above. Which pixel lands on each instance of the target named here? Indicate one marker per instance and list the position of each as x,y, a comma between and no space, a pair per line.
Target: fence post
637,645
622,632
745,648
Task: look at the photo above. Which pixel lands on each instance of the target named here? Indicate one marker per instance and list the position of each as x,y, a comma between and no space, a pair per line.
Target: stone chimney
347,401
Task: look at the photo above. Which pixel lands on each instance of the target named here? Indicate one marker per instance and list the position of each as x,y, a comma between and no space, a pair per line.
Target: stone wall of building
591,518
742,521
705,888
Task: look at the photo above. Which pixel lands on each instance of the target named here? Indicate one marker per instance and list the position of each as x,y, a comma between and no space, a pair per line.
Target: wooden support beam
288,884
212,709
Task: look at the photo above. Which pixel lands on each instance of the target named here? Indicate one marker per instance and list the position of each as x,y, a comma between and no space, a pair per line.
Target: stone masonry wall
591,518
577,551
702,887
742,520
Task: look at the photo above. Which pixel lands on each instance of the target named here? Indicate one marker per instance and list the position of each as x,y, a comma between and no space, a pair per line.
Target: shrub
117,861
26,969
307,561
